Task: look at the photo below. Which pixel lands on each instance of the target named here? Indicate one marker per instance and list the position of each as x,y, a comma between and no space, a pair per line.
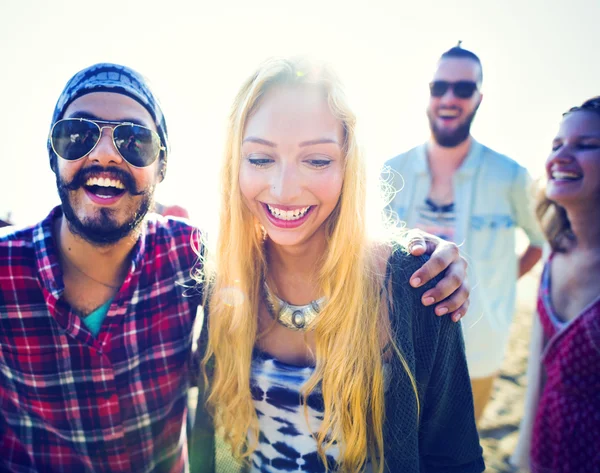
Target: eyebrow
580,137
91,116
319,141
261,141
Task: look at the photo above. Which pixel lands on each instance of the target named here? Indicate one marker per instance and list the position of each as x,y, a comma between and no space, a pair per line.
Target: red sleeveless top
566,434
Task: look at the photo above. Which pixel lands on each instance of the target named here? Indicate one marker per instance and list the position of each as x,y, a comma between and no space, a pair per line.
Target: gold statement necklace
294,317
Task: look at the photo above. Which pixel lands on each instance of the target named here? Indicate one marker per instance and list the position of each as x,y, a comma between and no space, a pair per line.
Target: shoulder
500,162
407,309
16,237
401,266
172,231
399,160
18,265
174,244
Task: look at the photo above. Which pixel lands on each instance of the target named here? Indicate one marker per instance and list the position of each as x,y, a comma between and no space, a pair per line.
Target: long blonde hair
351,379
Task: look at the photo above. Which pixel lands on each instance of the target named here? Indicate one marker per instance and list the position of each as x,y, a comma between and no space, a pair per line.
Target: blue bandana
106,77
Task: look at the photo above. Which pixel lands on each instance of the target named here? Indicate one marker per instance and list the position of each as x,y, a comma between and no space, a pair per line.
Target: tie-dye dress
286,442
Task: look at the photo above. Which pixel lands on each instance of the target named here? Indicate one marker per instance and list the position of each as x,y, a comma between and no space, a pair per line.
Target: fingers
451,293
456,305
420,242
444,256
445,288
416,244
460,312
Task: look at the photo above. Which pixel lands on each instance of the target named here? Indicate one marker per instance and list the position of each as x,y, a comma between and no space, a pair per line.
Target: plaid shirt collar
114,402
48,263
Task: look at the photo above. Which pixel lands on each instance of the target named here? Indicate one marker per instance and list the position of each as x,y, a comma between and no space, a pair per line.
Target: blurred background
539,58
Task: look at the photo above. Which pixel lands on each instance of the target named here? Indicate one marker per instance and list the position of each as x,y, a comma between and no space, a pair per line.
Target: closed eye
581,145
318,162
260,161
589,146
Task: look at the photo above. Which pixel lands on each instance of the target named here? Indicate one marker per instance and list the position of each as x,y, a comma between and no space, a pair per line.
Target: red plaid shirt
71,402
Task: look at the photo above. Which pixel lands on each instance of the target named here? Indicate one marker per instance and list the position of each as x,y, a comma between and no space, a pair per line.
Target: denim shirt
492,196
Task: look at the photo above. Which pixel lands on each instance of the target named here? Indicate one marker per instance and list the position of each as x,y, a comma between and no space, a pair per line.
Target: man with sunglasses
96,307
462,191
95,319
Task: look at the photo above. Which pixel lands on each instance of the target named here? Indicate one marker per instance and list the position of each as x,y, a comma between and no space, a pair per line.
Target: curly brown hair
552,217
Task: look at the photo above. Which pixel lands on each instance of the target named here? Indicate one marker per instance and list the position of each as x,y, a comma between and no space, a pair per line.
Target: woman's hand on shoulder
451,294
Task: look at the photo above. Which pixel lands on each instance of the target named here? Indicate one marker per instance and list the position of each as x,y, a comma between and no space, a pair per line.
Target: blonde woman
322,356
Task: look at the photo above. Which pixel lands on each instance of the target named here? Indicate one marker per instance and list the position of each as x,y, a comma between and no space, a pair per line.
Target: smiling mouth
288,215
565,176
104,188
447,114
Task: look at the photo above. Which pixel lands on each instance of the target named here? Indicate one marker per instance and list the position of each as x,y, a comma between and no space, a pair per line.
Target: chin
105,226
285,240
565,199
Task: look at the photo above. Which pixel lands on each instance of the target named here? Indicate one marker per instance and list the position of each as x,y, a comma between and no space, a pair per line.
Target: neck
302,261
447,159
295,270
105,265
586,228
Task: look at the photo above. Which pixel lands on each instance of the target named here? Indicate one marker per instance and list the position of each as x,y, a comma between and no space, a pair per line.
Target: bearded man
462,191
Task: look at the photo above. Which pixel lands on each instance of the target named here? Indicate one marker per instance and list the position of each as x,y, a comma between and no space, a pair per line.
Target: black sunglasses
75,138
463,89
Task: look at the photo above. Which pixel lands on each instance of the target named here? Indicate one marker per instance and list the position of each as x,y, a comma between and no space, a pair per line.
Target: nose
105,153
449,95
562,154
286,185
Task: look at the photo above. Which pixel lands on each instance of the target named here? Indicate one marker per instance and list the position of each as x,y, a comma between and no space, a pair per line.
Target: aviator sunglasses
463,89
75,138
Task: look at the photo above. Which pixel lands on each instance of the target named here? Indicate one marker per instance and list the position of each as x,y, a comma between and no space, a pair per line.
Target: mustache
450,107
83,175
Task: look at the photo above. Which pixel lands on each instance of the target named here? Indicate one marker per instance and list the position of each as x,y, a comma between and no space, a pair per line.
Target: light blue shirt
492,196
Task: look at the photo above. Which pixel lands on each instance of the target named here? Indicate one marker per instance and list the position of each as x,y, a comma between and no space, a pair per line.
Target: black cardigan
444,438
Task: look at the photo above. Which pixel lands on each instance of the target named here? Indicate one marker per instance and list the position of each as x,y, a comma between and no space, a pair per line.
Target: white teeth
448,113
288,214
104,182
566,176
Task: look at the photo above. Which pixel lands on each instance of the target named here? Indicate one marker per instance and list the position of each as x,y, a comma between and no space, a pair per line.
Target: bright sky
539,57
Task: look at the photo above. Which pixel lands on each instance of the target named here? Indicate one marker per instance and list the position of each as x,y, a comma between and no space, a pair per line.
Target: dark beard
103,230
453,139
